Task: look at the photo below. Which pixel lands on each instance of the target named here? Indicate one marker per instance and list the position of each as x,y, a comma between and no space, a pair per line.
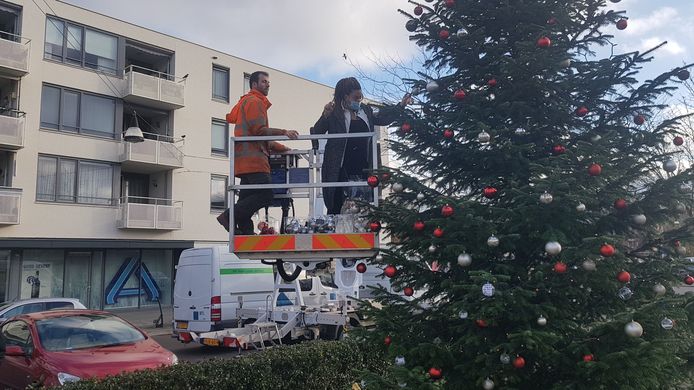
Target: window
81,46
220,137
246,83
218,192
220,83
17,333
77,112
74,181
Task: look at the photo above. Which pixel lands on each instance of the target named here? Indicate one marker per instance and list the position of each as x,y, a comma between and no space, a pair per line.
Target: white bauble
397,187
420,197
462,33
488,289
659,289
565,63
464,260
681,250
553,248
492,241
504,358
580,207
542,321
546,198
484,137
488,384
670,165
399,360
639,219
633,329
589,265
432,248
432,86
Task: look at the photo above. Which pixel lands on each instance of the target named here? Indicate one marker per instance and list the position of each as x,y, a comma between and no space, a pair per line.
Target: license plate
181,325
211,342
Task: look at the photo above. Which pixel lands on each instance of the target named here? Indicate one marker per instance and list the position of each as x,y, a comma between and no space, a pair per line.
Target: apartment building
83,213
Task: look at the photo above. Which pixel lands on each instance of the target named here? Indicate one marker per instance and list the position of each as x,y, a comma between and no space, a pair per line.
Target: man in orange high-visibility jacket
251,159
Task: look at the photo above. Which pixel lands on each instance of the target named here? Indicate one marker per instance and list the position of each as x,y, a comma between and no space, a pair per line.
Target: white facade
56,214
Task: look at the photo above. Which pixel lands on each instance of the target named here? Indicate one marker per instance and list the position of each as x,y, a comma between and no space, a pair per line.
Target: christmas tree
538,214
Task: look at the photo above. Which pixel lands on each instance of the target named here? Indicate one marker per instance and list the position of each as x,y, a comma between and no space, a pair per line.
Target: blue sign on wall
116,287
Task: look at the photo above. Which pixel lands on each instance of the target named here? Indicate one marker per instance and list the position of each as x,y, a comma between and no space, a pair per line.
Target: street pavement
194,352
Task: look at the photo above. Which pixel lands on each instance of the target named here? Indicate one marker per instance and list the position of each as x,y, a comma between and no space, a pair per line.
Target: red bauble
459,94
552,21
620,204
418,226
372,181
375,226
443,34
678,141
639,119
448,134
481,323
519,362
544,42
390,271
361,268
558,149
387,340
607,250
418,10
582,111
594,170
624,277
622,24
492,83
438,232
446,211
406,128
450,3
588,357
560,267
435,373
490,192
689,280
408,291
683,74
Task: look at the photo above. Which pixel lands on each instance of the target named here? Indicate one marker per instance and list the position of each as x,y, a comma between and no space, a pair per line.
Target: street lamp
133,133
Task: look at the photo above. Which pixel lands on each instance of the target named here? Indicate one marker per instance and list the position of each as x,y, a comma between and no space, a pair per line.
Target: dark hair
255,76
342,88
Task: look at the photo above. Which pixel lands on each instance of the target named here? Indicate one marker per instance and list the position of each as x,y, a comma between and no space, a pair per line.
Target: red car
55,347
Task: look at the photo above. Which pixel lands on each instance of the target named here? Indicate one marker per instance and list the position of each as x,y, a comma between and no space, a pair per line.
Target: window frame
216,151
62,128
224,178
61,199
64,57
226,70
246,83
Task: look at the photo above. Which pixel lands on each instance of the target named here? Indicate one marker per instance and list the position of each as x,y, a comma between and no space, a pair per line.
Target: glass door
78,276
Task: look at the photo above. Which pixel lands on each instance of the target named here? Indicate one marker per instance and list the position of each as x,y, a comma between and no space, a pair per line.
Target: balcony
11,128
14,61
152,88
10,205
150,213
157,153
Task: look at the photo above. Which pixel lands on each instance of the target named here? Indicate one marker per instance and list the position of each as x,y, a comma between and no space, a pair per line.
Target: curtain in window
98,114
219,137
74,44
45,189
95,183
67,174
220,83
100,50
50,107
53,47
70,110
218,193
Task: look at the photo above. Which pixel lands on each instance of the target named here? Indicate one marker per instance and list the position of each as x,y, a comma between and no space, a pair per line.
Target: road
194,352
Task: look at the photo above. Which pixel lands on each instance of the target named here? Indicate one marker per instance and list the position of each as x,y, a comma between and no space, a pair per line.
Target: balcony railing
152,88
11,128
14,60
10,205
150,213
156,153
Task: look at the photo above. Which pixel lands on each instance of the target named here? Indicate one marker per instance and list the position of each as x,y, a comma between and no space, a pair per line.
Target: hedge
315,365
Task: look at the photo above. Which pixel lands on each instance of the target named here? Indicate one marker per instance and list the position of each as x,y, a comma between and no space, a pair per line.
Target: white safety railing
10,205
156,149
12,124
15,53
138,212
154,85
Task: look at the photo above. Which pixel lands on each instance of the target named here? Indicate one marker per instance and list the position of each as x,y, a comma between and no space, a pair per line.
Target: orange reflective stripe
264,243
343,241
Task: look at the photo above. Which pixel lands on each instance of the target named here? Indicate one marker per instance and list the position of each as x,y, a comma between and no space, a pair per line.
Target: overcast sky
309,37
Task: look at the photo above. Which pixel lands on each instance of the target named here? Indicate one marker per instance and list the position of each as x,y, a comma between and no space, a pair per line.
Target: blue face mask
354,106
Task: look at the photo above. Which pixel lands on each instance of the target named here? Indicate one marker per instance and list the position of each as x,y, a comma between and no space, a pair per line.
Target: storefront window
42,273
4,274
121,280
157,276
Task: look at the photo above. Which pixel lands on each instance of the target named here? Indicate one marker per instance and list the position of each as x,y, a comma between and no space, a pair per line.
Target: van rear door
193,292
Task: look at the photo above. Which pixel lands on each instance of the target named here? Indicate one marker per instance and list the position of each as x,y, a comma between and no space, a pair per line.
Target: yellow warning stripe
343,241
264,243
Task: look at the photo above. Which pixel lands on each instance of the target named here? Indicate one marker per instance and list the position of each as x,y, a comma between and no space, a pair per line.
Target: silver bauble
397,187
542,321
504,358
546,198
520,131
670,165
633,329
667,323
638,219
463,315
488,384
565,63
432,86
399,360
483,137
625,293
681,250
588,265
462,33
553,248
464,260
492,241
488,289
379,258
420,197
659,289
580,207
615,1
432,248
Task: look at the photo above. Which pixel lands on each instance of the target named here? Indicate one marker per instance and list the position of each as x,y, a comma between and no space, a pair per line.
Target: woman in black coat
347,159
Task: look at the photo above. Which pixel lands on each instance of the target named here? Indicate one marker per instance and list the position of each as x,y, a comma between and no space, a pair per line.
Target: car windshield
85,331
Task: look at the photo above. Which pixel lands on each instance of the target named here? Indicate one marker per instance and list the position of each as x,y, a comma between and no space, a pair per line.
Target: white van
212,283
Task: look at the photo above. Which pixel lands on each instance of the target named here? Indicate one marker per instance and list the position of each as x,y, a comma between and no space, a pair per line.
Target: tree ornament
489,192
459,94
615,1
678,141
622,24
670,165
624,277
519,362
408,291
659,289
397,187
625,293
432,86
406,128
552,21
520,131
420,197
434,373
399,360
683,74
582,111
464,260
633,329
542,321
638,219
450,3
607,250
588,357
372,181
448,134
639,119
595,138
589,265
483,137
546,198
620,204
580,207
418,226
418,10
565,63
443,34
559,267
488,384
688,280
411,25
461,33
463,315
544,42
491,83
558,149
390,271
432,248
447,211
379,258
375,226
492,241
667,323
387,340
361,268
488,289
552,248
504,358
594,170
438,232
481,323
